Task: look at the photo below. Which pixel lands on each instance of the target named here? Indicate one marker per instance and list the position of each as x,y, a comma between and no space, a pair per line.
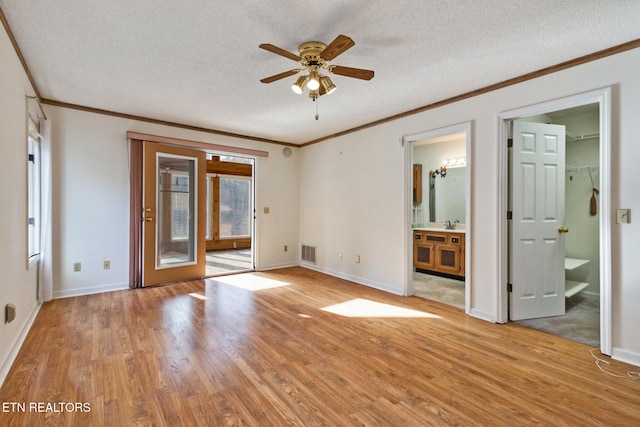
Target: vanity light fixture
455,162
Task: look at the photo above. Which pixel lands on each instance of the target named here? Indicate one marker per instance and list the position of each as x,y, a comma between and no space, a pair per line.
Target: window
180,206
235,207
229,202
33,190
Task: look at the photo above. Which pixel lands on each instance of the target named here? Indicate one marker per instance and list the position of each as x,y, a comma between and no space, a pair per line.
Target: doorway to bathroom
557,228
437,211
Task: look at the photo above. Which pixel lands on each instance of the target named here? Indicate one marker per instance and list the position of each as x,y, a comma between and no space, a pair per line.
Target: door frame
253,210
151,271
135,189
407,142
603,98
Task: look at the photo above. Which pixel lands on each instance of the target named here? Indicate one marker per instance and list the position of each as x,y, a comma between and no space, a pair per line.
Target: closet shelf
571,264
571,288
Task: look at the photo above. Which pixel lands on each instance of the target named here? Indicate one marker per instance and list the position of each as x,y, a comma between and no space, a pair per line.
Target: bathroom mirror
447,196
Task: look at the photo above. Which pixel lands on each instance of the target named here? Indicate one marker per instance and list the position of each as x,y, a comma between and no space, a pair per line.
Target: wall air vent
308,253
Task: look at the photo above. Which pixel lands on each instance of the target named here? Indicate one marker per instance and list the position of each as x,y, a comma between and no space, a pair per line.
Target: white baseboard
276,266
5,365
489,317
67,293
351,278
626,356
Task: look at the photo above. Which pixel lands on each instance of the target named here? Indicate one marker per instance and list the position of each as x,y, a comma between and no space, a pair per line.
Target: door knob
149,219
148,210
563,229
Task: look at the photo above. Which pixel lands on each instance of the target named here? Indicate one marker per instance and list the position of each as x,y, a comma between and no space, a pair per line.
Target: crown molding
160,122
14,42
633,44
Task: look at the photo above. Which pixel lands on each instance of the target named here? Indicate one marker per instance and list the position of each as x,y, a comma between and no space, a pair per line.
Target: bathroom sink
440,226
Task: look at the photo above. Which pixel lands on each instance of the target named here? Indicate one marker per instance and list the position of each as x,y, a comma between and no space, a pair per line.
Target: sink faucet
448,225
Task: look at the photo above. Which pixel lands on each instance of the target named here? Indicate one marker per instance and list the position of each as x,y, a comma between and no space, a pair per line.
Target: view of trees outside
235,207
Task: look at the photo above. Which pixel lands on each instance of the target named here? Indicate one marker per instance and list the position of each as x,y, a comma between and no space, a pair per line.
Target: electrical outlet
357,259
106,265
77,267
623,216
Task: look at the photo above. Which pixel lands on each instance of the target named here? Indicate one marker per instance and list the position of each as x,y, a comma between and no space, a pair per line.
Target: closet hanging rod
570,168
39,105
575,137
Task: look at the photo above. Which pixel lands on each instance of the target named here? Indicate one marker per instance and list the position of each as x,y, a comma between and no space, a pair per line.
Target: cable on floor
630,375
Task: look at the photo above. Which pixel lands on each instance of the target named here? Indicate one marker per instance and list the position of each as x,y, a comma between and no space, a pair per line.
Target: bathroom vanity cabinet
439,251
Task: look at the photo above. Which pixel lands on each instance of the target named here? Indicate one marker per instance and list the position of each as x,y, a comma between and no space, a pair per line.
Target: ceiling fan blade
357,73
281,76
279,51
336,47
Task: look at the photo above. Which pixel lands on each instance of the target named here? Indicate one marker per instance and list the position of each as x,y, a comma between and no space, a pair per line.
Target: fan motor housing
309,50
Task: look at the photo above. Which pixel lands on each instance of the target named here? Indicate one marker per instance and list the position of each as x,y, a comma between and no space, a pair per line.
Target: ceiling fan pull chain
316,101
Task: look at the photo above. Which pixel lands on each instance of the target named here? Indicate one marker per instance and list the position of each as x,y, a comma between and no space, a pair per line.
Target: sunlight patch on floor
360,307
251,282
197,295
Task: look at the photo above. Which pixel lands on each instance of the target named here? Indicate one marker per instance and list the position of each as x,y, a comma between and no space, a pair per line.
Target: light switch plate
623,216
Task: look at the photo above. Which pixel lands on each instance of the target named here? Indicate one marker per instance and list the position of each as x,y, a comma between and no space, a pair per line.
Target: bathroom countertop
440,229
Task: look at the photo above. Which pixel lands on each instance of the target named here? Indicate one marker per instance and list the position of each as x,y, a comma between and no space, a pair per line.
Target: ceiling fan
314,57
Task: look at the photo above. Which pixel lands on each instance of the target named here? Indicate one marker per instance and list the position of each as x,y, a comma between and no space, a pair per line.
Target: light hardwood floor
296,347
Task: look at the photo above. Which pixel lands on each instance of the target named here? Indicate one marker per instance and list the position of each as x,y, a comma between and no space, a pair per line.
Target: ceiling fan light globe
314,80
327,84
313,84
298,86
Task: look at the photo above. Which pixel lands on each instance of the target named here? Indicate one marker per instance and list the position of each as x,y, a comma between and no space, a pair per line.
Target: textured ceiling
197,62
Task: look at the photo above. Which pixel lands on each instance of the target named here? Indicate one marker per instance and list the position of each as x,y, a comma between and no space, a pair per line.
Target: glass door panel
174,214
176,211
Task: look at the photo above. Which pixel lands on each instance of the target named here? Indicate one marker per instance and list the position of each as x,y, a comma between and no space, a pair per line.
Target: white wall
582,241
91,198
354,201
18,282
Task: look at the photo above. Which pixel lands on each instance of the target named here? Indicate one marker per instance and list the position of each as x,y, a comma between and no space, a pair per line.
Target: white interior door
537,230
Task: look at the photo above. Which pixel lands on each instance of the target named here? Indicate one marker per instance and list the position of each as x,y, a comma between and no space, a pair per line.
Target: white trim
278,266
489,317
626,356
355,279
407,142
603,98
90,290
6,364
